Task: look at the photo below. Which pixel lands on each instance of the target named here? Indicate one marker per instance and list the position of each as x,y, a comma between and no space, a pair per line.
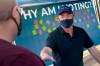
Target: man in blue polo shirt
66,43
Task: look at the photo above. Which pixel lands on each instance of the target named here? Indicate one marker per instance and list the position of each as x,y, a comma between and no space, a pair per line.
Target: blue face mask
66,23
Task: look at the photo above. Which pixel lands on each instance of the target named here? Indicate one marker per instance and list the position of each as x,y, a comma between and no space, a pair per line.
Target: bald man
10,28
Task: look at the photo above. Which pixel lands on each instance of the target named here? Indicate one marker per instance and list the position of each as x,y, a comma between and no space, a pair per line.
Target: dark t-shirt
67,50
11,55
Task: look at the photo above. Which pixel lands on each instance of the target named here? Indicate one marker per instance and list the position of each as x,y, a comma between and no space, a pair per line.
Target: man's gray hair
6,7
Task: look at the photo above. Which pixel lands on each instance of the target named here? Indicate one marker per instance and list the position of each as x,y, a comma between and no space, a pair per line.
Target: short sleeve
25,60
50,42
87,41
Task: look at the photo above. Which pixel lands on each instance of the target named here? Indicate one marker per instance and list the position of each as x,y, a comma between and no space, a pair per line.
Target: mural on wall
40,20
20,2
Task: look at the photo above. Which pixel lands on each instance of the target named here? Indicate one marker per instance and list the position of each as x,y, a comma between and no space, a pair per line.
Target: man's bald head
6,8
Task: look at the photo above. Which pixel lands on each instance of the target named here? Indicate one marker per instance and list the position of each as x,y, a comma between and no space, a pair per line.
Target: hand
47,57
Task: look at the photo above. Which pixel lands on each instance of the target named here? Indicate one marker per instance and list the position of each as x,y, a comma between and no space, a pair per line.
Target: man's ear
14,12
73,16
58,18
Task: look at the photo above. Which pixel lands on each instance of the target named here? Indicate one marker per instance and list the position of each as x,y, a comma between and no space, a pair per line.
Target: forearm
95,53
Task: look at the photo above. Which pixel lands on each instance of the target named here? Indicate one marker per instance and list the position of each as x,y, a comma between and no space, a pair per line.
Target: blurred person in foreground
10,28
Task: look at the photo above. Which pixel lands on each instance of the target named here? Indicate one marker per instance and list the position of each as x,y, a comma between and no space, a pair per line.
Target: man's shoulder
27,60
55,32
8,49
22,50
9,53
27,55
79,28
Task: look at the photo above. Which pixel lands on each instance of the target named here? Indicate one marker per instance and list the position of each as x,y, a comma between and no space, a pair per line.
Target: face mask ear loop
15,22
20,25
